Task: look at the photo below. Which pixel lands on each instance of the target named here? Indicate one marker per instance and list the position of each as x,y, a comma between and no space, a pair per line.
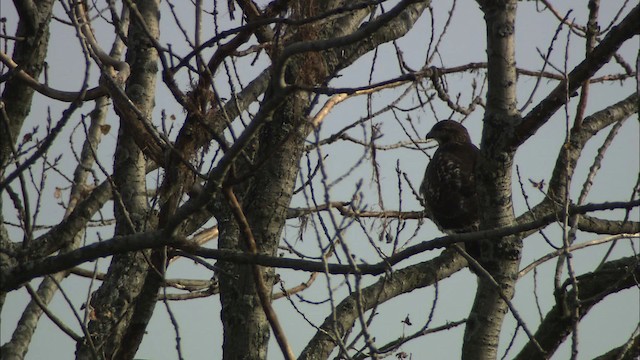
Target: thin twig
573,248
481,271
56,320
261,287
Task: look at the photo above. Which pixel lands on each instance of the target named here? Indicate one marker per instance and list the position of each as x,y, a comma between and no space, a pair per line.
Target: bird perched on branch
448,188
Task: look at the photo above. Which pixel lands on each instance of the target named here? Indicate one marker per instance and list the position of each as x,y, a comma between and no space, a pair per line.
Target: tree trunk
114,303
500,256
246,330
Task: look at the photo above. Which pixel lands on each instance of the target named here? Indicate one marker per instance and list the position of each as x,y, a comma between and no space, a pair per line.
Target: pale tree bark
114,305
31,53
16,104
246,332
17,96
49,286
500,256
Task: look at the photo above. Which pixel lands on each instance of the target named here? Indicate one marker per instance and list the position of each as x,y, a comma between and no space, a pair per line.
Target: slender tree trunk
501,256
114,303
30,53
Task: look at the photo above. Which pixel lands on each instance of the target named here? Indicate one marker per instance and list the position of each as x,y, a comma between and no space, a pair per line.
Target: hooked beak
430,135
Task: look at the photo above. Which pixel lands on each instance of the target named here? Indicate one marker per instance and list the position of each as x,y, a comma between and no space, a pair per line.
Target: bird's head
449,131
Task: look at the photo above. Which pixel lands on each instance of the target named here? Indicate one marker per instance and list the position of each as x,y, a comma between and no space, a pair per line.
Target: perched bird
448,187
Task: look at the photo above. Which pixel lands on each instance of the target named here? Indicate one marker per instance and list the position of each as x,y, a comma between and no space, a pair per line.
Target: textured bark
30,55
16,101
115,302
568,156
17,96
628,351
261,161
60,234
603,226
246,330
49,285
21,338
500,256
112,303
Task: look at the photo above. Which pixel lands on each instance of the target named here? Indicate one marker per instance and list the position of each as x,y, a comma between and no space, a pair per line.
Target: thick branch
397,283
603,226
568,158
595,60
264,292
628,351
346,46
609,279
48,91
500,255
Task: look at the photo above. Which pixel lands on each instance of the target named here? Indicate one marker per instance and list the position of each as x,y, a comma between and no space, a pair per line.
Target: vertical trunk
265,203
115,302
501,256
16,100
29,54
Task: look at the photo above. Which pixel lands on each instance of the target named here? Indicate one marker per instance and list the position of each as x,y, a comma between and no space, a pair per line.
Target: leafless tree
282,143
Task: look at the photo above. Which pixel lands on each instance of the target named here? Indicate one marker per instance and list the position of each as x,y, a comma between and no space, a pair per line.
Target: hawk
448,188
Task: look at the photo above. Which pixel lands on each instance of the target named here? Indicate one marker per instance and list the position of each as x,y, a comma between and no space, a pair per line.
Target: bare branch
399,282
15,276
600,55
594,287
265,297
572,248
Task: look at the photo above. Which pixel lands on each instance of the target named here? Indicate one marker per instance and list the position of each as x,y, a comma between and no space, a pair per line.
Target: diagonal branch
613,277
627,351
388,287
46,90
604,226
262,290
600,55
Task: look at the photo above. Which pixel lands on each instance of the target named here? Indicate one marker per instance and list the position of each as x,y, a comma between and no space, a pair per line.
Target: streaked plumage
448,188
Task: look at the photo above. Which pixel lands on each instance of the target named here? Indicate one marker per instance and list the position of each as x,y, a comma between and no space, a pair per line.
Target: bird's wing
454,167
449,186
